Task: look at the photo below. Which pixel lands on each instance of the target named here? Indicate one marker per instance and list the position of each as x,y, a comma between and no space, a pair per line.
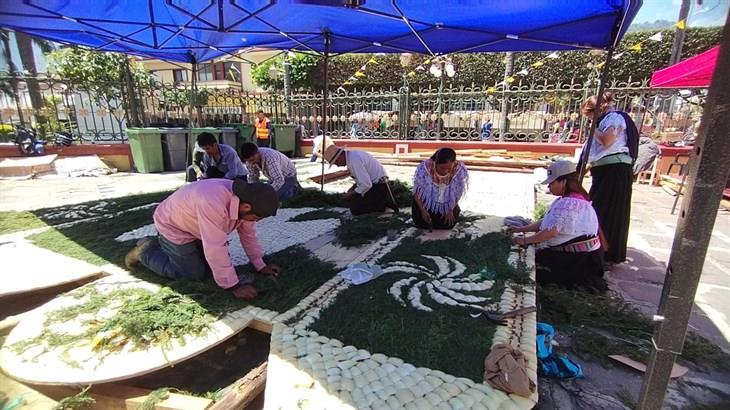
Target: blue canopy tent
195,31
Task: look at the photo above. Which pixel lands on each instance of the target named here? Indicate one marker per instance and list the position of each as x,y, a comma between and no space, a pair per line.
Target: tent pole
708,174
596,113
327,43
191,103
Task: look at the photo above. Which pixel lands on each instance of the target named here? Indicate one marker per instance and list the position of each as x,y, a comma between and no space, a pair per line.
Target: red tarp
692,72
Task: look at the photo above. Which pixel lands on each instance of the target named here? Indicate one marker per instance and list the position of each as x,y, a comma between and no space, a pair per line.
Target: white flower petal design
445,286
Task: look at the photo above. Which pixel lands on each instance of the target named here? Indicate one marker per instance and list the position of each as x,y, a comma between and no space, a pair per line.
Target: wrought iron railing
535,112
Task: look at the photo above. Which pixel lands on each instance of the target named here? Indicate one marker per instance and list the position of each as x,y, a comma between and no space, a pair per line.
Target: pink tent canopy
693,72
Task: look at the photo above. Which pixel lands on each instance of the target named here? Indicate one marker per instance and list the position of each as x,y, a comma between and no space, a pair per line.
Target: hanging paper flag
347,83
379,54
523,72
510,80
538,64
359,74
353,78
372,61
420,68
617,56
682,24
601,64
553,55
491,90
656,37
636,47
501,84
427,61
363,68
412,74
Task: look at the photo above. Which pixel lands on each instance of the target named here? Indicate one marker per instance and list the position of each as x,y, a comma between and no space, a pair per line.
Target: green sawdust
144,318
317,214
402,192
601,325
366,228
155,397
448,338
14,221
313,198
81,400
540,210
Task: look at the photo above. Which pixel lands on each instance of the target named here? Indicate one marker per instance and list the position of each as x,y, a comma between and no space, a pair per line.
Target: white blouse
598,151
573,217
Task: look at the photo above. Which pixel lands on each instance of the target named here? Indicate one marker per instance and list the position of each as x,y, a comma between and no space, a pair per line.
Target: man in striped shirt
276,167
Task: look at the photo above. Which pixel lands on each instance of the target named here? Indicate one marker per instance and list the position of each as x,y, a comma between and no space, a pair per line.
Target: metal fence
535,112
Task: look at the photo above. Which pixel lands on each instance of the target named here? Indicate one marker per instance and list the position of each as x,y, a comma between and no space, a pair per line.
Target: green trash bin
245,131
229,136
284,138
146,146
197,131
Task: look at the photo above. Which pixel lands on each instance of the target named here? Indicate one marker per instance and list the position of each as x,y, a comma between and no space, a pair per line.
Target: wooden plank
331,176
31,398
261,326
120,397
244,391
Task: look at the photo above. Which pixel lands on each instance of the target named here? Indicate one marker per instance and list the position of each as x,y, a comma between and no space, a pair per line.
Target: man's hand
271,269
199,175
511,230
245,292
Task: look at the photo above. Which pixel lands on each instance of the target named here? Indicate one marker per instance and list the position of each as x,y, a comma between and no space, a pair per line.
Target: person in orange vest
263,130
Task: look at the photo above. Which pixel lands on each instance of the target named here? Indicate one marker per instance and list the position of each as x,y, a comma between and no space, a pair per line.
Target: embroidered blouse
598,151
440,194
573,216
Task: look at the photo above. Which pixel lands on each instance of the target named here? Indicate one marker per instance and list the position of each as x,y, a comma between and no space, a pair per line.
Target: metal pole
287,85
503,121
596,113
439,120
708,174
679,33
191,103
324,101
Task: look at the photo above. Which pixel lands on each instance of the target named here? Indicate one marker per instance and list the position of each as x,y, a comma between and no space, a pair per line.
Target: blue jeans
314,158
289,189
174,261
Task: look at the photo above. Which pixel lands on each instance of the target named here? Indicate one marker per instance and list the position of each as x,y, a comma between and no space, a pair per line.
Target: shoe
132,258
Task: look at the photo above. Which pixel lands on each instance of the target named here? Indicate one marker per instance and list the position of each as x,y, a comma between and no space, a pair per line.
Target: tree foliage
488,68
302,67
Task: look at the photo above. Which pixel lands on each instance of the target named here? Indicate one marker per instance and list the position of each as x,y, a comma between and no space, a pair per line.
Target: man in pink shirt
193,225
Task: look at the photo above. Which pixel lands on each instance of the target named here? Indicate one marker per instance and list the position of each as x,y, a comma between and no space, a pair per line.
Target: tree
26,45
302,68
9,86
100,74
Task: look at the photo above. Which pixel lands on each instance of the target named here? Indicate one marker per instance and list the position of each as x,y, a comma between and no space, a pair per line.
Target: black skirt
376,199
611,198
570,269
437,220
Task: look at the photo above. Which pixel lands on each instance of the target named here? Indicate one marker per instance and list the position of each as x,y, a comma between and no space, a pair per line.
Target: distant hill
650,26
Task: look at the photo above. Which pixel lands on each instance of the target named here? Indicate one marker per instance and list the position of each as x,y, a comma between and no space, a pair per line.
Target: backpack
632,133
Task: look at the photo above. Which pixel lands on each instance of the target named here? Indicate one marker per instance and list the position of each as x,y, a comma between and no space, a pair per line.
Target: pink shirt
207,210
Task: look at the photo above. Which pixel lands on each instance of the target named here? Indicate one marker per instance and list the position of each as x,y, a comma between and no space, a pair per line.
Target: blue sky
711,13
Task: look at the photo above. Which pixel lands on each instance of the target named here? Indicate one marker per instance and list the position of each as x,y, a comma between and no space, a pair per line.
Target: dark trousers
174,261
262,142
611,198
375,200
437,221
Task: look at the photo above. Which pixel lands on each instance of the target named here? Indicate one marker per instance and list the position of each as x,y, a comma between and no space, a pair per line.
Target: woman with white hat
569,247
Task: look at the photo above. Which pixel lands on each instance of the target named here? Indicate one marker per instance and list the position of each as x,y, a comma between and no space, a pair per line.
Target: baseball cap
557,169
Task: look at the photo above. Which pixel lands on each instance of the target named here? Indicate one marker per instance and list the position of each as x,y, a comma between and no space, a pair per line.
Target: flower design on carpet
446,284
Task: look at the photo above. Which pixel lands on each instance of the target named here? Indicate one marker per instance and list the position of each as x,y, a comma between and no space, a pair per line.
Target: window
219,72
233,72
205,73
179,76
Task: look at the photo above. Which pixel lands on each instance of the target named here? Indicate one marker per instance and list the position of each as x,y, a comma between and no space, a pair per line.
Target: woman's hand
512,230
450,218
519,240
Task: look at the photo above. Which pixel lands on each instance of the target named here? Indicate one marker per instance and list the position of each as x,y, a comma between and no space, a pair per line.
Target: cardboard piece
677,370
25,166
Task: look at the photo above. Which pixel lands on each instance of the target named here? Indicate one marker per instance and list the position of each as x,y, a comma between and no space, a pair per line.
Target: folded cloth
360,273
505,368
517,221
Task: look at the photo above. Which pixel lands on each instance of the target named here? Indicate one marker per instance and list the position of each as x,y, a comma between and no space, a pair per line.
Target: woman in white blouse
569,251
612,175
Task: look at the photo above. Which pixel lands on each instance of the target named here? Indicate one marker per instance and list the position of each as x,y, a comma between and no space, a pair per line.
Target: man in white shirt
276,167
371,192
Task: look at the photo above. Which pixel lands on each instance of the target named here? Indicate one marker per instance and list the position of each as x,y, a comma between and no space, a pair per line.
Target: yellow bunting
636,47
510,80
491,90
427,62
601,64
682,24
412,74
538,64
347,83
372,61
359,74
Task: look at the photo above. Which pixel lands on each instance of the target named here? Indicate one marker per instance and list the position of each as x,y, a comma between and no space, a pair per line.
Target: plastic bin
197,131
229,136
244,133
173,148
146,147
284,138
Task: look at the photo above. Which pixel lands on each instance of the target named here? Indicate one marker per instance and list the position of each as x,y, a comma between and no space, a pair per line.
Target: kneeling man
193,225
276,167
371,192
